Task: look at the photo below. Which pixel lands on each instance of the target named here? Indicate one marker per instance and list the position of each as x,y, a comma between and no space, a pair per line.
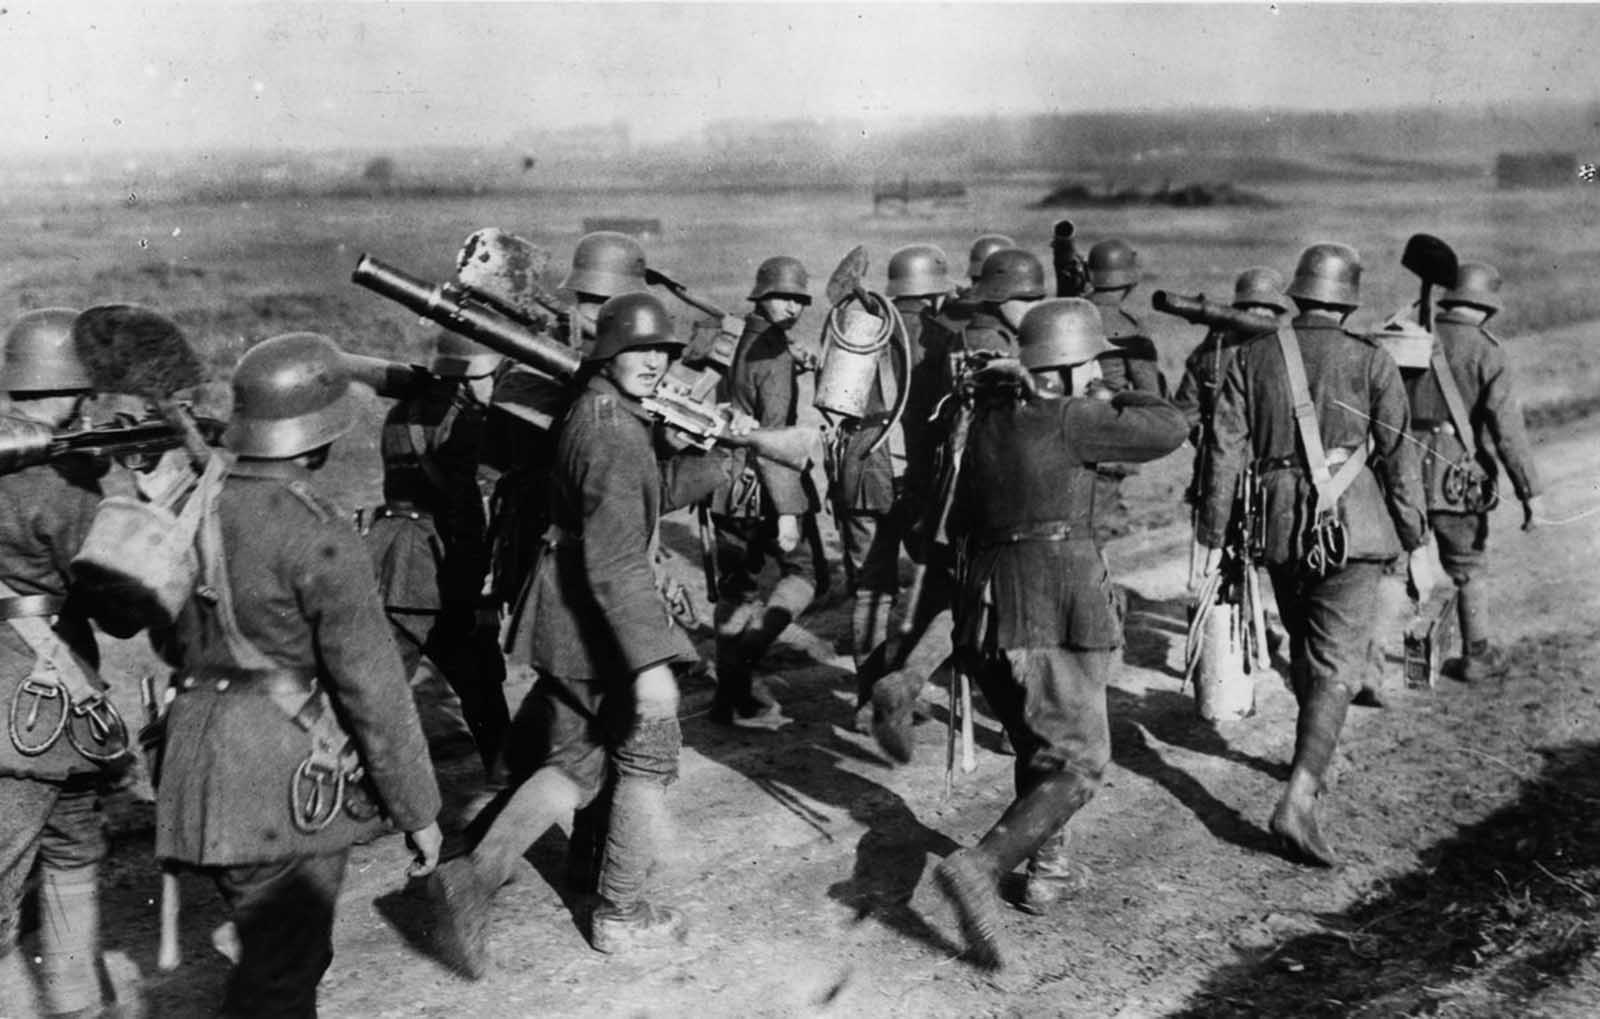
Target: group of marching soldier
1022,414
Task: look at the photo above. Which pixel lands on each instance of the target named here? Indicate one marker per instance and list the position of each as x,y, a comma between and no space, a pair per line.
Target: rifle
25,442
1199,310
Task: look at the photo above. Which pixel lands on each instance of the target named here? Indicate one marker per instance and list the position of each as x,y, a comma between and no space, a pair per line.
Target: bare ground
1467,817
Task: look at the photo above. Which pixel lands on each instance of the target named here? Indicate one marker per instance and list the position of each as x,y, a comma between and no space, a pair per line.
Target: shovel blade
848,274
1431,259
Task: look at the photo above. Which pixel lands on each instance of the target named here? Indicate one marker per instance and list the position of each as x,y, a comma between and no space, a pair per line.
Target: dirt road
1467,816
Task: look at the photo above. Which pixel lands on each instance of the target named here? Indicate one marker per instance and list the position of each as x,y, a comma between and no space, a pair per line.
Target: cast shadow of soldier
1141,723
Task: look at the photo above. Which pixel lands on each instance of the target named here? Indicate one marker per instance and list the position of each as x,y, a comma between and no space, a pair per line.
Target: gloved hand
1419,575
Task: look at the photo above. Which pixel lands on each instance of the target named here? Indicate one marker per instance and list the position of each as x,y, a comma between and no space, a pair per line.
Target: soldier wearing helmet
1340,495
287,677
1459,512
962,304
49,788
1011,281
768,513
1131,364
1033,611
604,264
603,711
429,539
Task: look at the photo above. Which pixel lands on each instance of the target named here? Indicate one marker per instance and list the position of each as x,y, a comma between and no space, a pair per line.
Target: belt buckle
316,794
106,729
38,691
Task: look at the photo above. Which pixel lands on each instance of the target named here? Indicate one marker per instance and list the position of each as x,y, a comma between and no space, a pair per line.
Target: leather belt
1049,530
1336,456
25,606
1433,427
869,421
401,510
268,682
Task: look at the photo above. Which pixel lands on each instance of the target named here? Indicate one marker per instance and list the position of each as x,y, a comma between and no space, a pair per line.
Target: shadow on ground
1488,920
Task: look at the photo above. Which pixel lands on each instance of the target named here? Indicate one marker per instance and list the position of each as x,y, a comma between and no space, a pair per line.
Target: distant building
1536,169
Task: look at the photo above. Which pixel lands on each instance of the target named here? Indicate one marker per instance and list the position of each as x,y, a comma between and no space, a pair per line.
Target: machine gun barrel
1212,313
449,307
25,443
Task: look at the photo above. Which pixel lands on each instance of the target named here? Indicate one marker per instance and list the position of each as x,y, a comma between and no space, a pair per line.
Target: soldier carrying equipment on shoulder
603,712
288,679
62,741
1033,614
1463,409
1314,418
769,511
428,538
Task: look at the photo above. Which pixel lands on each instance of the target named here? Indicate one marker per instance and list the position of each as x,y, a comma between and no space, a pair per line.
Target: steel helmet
1328,274
982,248
1477,284
40,356
606,263
1061,332
1113,264
456,357
629,321
1010,274
784,276
1259,285
290,396
917,270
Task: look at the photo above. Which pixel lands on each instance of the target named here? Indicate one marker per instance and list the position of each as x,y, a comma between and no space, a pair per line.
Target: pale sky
131,75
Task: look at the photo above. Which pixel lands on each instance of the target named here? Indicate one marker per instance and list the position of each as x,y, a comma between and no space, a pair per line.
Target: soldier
1483,407
49,787
1033,613
768,513
1131,364
604,707
1332,515
428,538
1011,281
961,306
288,676
868,488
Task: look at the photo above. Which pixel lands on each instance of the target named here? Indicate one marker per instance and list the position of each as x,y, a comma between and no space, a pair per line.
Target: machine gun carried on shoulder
1199,310
26,443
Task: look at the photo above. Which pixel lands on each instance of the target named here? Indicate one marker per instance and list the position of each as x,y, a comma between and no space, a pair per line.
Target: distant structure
642,227
1536,169
898,196
1185,196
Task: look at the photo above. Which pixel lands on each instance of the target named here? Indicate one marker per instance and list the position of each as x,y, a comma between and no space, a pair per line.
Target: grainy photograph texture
799,510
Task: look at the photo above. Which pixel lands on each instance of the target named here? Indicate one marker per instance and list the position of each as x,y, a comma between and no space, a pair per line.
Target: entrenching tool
139,352
1434,262
507,273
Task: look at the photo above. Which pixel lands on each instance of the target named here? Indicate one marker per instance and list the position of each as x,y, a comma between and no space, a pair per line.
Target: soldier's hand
1532,510
740,424
1419,575
788,532
424,845
1210,563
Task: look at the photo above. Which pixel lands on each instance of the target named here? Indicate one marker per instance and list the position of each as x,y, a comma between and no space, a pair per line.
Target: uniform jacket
519,441
1351,380
1025,508
1133,364
933,338
762,383
1203,372
985,330
592,609
1479,367
45,512
431,548
304,595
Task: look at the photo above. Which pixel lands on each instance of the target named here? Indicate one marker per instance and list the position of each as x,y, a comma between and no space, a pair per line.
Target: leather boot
869,639
1294,820
970,877
1480,660
1052,875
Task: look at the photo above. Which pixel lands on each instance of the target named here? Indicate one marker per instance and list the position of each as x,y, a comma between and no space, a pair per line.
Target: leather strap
55,662
30,605
1046,530
1328,486
1452,399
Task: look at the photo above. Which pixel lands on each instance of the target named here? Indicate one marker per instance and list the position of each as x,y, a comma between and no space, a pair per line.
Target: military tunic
1479,369
1359,400
1035,608
1203,372
429,543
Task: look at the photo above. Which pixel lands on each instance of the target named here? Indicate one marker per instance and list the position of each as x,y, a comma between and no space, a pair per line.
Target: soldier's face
584,312
637,371
781,310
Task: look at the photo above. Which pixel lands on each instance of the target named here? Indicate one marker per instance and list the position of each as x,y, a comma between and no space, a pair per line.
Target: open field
1468,814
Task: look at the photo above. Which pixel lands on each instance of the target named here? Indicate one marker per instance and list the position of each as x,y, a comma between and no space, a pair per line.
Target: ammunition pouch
1455,481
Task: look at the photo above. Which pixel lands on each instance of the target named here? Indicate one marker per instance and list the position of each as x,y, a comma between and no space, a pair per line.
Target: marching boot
869,638
1480,660
586,846
969,878
893,707
623,921
69,941
734,700
1052,875
463,889
1294,820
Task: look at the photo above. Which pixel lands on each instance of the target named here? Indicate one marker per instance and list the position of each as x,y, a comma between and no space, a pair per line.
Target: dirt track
800,856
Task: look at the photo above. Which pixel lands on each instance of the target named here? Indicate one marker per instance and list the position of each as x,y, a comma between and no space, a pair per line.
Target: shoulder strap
1452,399
1328,485
214,574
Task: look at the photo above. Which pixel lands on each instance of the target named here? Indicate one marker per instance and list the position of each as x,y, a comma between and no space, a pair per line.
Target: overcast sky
103,75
